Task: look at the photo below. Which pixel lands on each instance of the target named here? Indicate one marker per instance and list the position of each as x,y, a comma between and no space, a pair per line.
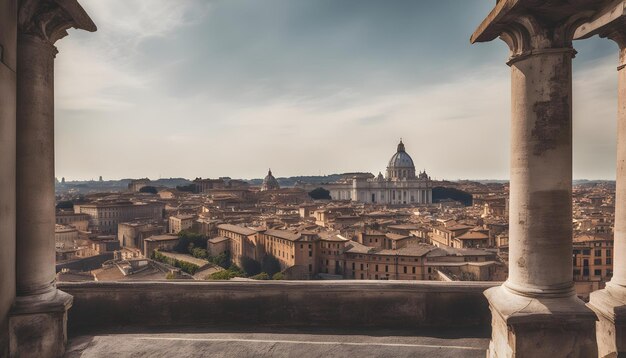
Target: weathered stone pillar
536,313
610,303
8,50
38,317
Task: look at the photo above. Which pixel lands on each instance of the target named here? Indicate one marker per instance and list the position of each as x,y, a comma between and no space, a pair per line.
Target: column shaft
619,255
540,219
35,251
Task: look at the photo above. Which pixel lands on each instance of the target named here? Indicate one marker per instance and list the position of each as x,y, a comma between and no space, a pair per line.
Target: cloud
214,88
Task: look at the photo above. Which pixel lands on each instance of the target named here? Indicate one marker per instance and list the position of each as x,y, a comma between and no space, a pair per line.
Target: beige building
159,242
242,241
104,217
76,220
593,262
137,184
178,223
65,237
400,186
133,234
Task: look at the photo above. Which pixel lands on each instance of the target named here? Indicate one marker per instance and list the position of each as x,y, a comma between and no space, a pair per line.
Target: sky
199,88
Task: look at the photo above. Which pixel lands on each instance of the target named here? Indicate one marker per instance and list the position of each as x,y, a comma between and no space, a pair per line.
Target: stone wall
8,43
359,304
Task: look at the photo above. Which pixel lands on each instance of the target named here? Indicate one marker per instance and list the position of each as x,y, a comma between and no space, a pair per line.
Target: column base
610,306
539,327
38,325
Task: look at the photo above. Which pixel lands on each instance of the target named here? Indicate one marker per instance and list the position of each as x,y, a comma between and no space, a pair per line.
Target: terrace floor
192,342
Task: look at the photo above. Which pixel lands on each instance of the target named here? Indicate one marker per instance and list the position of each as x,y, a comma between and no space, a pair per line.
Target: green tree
270,265
320,194
148,189
186,238
250,266
261,276
199,253
65,204
222,259
278,276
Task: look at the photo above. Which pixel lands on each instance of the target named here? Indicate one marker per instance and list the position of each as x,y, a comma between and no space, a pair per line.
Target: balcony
307,318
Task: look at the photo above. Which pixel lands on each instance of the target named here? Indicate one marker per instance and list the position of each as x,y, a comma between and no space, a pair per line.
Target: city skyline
305,88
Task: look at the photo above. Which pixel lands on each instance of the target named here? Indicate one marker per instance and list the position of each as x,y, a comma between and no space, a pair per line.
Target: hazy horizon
199,88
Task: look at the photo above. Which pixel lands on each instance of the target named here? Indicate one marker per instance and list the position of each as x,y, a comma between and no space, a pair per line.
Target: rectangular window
404,269
386,268
361,269
376,268
310,253
413,269
609,261
597,252
597,272
353,266
597,261
608,253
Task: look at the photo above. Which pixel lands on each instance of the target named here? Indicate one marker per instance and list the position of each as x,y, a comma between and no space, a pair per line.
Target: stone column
536,313
610,303
38,317
8,49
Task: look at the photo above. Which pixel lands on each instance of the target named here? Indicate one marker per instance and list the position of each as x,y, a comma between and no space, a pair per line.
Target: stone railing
378,304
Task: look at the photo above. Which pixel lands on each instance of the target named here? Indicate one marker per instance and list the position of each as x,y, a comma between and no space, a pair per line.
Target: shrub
270,265
278,276
222,259
261,276
199,253
250,266
224,275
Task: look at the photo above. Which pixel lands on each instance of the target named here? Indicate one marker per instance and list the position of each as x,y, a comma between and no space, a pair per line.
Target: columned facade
536,313
38,317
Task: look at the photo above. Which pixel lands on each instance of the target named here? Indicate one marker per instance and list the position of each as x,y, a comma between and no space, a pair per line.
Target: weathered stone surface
253,342
399,305
540,327
38,328
37,323
8,49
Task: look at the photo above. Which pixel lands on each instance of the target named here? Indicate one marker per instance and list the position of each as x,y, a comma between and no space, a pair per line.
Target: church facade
400,185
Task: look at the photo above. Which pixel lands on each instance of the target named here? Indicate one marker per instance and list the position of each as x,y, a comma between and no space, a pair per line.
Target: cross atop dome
401,146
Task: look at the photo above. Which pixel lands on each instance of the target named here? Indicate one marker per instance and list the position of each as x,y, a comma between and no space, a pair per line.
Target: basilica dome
401,165
270,183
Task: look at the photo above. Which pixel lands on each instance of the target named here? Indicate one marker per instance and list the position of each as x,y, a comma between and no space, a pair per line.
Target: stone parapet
384,304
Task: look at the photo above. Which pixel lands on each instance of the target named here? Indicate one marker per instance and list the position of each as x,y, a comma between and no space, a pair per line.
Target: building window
353,266
609,261
361,270
413,269
310,268
310,253
597,272
404,269
386,268
597,261
376,268
608,253
597,252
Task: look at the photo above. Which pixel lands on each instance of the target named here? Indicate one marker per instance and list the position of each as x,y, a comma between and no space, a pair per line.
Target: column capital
531,27
527,35
49,20
609,22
